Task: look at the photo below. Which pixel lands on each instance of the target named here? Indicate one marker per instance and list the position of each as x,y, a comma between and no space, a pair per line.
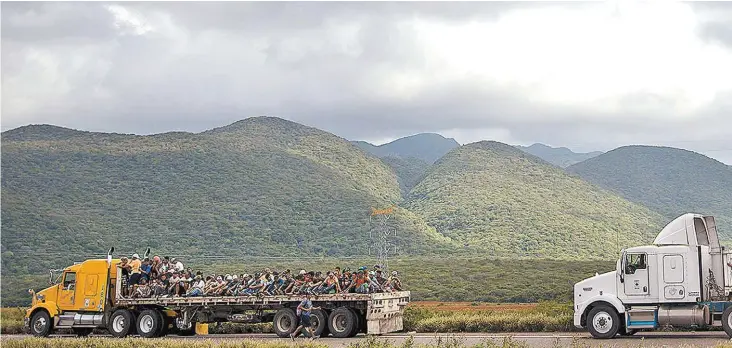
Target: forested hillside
409,171
261,186
669,180
267,187
559,156
496,197
428,147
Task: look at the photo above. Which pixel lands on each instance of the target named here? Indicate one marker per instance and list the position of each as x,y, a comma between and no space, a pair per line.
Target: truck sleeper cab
681,280
89,297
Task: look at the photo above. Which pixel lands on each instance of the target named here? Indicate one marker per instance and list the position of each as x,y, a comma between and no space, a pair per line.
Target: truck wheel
149,323
121,323
603,322
40,324
357,326
319,322
165,329
727,321
342,322
285,322
83,331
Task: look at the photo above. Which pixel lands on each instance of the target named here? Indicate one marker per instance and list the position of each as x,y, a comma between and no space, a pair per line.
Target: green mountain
502,200
559,156
669,180
262,186
428,147
409,171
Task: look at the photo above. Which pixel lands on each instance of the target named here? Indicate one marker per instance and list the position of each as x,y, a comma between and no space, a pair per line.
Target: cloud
585,75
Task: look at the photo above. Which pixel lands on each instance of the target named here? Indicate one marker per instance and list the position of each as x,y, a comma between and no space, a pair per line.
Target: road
565,339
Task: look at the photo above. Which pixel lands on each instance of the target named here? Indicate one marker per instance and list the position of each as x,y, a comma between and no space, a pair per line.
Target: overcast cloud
590,76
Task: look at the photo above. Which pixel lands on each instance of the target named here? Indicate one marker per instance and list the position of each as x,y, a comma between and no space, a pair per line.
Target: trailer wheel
603,322
41,324
149,323
83,331
285,322
342,322
319,322
359,322
165,329
727,321
121,323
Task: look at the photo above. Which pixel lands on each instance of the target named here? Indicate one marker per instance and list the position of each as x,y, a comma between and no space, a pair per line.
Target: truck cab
678,281
77,300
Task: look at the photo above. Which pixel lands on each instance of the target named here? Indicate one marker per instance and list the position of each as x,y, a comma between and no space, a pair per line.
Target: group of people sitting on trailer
166,277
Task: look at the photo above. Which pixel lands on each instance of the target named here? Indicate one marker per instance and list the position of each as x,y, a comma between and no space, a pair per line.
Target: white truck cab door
636,274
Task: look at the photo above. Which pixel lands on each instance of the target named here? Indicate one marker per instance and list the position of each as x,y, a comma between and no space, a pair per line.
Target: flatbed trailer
89,297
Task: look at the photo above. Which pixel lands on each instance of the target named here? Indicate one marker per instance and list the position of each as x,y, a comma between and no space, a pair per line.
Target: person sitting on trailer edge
304,310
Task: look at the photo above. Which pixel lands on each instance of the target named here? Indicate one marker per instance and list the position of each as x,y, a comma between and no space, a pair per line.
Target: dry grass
92,342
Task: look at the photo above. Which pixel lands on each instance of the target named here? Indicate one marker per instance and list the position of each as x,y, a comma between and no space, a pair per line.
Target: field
472,279
419,316
449,341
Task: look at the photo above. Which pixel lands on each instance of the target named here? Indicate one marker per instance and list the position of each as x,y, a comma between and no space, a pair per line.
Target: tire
41,324
165,329
357,327
121,323
149,323
83,331
603,322
319,321
285,322
727,321
342,322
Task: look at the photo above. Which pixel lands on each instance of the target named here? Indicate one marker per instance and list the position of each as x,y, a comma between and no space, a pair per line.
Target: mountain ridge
560,156
669,180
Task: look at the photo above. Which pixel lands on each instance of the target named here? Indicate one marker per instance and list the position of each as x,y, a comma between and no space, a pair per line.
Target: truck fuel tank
684,315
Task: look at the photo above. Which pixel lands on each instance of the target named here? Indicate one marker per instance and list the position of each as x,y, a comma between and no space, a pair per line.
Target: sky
585,75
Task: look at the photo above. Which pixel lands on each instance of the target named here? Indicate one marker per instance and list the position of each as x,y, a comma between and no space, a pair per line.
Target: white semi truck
682,280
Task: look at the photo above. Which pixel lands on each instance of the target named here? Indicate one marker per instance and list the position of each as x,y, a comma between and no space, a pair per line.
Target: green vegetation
429,279
409,171
428,147
668,180
497,198
266,187
559,156
545,317
262,186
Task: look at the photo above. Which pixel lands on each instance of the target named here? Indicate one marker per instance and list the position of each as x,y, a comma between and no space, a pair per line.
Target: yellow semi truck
88,296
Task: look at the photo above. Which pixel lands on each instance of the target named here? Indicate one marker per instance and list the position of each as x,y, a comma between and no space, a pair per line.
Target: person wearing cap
135,272
394,281
304,310
197,287
362,282
177,264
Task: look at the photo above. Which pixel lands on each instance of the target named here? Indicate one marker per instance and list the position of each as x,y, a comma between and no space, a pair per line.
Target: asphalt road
565,339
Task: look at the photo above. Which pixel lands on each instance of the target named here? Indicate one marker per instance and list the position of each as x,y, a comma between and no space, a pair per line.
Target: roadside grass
452,341
544,316
541,317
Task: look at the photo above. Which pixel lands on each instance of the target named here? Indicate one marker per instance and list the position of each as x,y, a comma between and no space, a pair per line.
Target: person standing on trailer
304,310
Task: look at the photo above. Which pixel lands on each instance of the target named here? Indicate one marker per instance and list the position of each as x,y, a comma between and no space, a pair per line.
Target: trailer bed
400,297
